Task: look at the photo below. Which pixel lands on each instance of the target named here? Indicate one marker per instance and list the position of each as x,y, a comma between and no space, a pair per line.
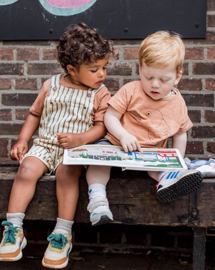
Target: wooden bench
132,198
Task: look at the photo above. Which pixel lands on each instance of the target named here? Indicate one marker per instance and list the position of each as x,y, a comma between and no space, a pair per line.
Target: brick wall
26,64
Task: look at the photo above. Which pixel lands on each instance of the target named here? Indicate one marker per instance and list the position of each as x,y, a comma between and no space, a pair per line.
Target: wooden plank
132,198
205,204
131,194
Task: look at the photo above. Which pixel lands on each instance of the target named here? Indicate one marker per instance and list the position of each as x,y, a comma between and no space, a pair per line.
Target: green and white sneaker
57,252
12,243
99,211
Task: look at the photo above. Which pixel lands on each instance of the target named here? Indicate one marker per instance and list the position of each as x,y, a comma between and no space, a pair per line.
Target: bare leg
98,174
154,175
67,177
24,184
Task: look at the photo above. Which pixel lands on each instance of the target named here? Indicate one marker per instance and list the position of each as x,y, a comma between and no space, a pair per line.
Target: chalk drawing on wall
7,2
60,8
66,7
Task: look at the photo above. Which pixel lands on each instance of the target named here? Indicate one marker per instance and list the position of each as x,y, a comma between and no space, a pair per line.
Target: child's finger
124,146
138,146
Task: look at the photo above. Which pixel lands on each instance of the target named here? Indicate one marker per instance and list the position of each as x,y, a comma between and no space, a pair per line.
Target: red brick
28,43
194,147
5,84
10,129
210,116
185,69
115,56
112,84
203,68
27,54
21,114
211,147
211,20
18,99
210,84
129,80
119,69
194,53
127,42
195,116
26,84
43,80
49,54
210,5
190,84
200,100
3,147
44,69
30,143
137,69
5,114
210,39
11,69
131,53
203,132
6,54
211,53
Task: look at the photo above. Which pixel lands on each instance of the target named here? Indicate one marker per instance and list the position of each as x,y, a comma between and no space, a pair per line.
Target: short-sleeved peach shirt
152,122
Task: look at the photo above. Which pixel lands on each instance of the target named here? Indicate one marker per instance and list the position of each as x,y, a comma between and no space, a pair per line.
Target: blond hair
162,49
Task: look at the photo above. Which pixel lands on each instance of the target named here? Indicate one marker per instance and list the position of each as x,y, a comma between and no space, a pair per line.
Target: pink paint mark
68,3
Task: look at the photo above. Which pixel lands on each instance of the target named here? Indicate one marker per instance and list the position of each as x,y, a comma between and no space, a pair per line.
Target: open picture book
149,159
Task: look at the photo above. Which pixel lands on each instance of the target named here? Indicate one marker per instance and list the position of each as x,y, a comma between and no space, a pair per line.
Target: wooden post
199,242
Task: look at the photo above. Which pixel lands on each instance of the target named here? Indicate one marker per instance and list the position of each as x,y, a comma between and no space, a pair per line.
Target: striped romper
66,110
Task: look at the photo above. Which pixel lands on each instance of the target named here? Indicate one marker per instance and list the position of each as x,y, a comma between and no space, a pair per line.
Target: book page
149,159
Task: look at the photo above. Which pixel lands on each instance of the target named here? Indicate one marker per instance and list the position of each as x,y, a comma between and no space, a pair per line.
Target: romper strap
100,87
55,80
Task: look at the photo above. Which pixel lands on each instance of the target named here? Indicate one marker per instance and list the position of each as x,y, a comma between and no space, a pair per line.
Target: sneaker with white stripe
174,185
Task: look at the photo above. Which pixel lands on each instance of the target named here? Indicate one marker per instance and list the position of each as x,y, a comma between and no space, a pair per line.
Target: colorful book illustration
149,159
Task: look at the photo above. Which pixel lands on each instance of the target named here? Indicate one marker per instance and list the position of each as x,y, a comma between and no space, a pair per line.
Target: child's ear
178,77
71,70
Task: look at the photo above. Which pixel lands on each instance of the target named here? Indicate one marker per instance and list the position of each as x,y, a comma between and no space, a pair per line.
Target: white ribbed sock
15,218
64,225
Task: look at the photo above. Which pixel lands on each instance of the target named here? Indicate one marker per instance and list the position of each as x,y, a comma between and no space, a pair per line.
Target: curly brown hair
81,45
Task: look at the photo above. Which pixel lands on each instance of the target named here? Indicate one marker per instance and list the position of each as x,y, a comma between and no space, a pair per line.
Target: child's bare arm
112,122
21,147
70,140
179,141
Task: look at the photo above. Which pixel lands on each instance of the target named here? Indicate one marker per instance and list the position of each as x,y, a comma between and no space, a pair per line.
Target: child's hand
68,140
129,143
19,149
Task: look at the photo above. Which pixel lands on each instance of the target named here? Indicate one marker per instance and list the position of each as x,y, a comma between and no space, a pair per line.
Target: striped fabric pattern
66,110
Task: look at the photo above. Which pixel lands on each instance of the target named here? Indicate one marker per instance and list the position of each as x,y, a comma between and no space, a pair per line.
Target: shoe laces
57,240
9,232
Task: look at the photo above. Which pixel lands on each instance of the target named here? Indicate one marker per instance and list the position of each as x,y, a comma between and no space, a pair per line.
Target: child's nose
101,73
155,83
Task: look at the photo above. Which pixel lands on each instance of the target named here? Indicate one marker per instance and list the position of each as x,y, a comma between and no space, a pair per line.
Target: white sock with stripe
95,191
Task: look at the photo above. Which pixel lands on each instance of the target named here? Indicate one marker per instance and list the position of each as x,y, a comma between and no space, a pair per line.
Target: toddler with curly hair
69,111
